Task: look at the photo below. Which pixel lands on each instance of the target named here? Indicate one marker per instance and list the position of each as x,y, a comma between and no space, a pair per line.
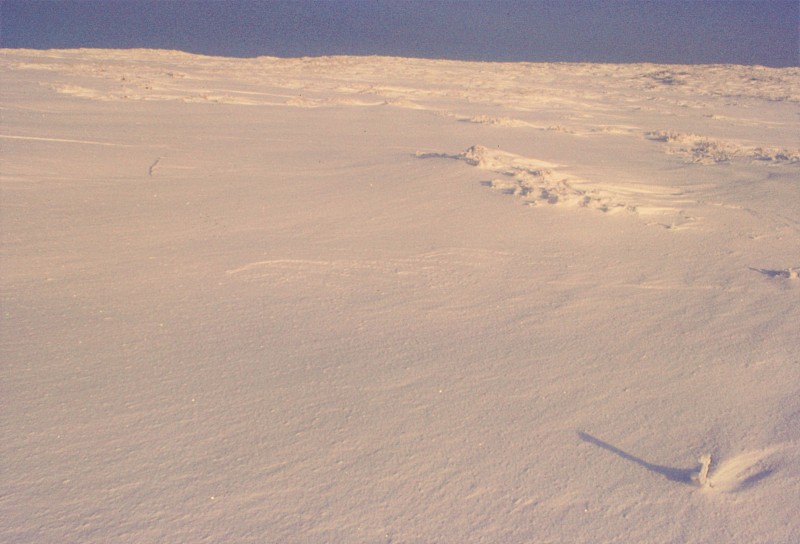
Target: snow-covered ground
389,300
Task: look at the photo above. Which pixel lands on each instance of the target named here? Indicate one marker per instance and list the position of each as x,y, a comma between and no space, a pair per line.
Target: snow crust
391,300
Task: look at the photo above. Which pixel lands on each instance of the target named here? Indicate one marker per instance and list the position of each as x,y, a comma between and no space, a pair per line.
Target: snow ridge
704,150
537,182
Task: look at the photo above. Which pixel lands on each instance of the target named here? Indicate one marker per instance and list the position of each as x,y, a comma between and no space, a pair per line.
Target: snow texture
386,300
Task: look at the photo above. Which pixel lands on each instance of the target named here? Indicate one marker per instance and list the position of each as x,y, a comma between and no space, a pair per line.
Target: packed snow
386,300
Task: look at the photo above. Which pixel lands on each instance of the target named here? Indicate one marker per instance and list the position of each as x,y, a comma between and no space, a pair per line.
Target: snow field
397,300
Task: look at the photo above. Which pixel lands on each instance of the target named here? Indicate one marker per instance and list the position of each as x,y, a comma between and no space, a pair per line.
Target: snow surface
390,300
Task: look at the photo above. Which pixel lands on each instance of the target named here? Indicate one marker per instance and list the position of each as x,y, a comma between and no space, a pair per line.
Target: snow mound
743,471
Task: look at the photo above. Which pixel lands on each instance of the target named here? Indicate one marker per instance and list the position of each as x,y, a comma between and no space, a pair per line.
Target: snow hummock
376,299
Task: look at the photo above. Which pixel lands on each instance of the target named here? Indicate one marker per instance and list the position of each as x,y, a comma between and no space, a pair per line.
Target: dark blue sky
665,31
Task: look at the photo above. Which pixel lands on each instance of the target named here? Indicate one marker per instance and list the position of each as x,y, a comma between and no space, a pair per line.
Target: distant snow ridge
703,150
772,84
498,121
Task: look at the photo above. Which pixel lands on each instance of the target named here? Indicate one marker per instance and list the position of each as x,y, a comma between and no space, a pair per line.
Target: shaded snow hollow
389,300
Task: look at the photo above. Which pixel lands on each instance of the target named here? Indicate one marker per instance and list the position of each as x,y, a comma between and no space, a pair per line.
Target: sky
764,32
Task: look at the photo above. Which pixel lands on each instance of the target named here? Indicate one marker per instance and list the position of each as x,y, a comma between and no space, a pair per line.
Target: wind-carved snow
538,182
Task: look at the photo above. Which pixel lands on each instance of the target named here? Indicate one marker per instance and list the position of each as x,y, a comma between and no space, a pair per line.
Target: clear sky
665,31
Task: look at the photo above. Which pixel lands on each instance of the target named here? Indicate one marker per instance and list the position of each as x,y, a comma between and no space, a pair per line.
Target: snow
394,300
